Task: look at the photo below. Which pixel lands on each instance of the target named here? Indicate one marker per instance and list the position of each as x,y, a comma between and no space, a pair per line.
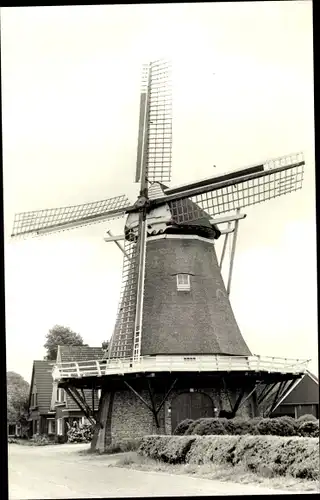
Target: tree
17,397
60,335
105,345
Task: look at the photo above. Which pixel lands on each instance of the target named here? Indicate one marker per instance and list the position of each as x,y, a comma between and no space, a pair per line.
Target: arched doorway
192,405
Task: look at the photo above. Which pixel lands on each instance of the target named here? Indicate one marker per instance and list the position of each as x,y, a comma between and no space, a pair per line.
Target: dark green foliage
80,434
40,440
17,398
123,446
270,427
170,449
276,427
289,420
60,335
241,426
182,427
309,429
296,456
306,418
281,426
191,427
209,426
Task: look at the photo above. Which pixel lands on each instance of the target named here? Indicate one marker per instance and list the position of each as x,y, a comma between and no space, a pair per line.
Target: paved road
61,472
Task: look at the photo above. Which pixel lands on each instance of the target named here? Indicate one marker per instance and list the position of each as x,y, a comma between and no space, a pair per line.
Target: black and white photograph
160,254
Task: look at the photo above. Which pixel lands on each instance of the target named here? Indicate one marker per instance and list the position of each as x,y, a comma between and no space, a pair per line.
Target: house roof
68,353
305,391
42,379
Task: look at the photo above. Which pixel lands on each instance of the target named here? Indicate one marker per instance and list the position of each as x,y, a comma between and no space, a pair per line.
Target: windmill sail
215,196
155,123
121,344
58,219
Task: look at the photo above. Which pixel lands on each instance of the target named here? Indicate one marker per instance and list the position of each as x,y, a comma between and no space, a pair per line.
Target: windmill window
183,282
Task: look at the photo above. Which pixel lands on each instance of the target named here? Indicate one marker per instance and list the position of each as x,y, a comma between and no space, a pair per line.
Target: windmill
175,325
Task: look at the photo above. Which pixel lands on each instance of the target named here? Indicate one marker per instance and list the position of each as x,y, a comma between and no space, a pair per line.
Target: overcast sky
243,92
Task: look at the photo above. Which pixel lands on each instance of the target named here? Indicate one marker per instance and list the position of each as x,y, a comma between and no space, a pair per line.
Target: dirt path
61,472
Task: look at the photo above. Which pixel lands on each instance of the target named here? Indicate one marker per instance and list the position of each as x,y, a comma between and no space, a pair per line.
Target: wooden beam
224,245
86,408
270,409
237,403
249,395
119,237
233,250
116,240
227,392
138,395
228,218
77,399
166,395
266,392
154,411
281,391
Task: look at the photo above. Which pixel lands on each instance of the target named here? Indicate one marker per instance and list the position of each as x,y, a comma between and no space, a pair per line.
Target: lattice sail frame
58,219
154,155
278,177
121,343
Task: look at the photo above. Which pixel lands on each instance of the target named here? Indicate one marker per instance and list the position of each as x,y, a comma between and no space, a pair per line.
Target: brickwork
127,417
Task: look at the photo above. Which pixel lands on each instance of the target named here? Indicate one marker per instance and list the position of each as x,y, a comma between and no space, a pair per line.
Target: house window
51,426
59,426
183,282
61,396
34,399
99,394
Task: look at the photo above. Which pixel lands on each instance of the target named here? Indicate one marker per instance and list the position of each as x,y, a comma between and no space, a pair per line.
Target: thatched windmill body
176,350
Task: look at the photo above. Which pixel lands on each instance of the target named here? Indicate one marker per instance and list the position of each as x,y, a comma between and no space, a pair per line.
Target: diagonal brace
83,407
249,395
138,396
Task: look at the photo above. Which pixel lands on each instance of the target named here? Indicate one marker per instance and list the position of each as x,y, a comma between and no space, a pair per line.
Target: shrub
289,420
191,427
306,418
216,449
171,449
123,446
209,426
297,456
12,440
240,426
309,429
182,427
270,426
40,440
282,426
80,434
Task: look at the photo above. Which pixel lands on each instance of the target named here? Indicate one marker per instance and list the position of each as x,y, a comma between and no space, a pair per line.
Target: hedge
281,426
182,427
295,456
166,448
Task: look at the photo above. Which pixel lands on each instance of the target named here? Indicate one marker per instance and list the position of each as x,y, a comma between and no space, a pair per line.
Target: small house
302,399
40,397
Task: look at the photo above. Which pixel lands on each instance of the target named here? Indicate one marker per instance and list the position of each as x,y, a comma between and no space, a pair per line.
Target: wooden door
192,405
